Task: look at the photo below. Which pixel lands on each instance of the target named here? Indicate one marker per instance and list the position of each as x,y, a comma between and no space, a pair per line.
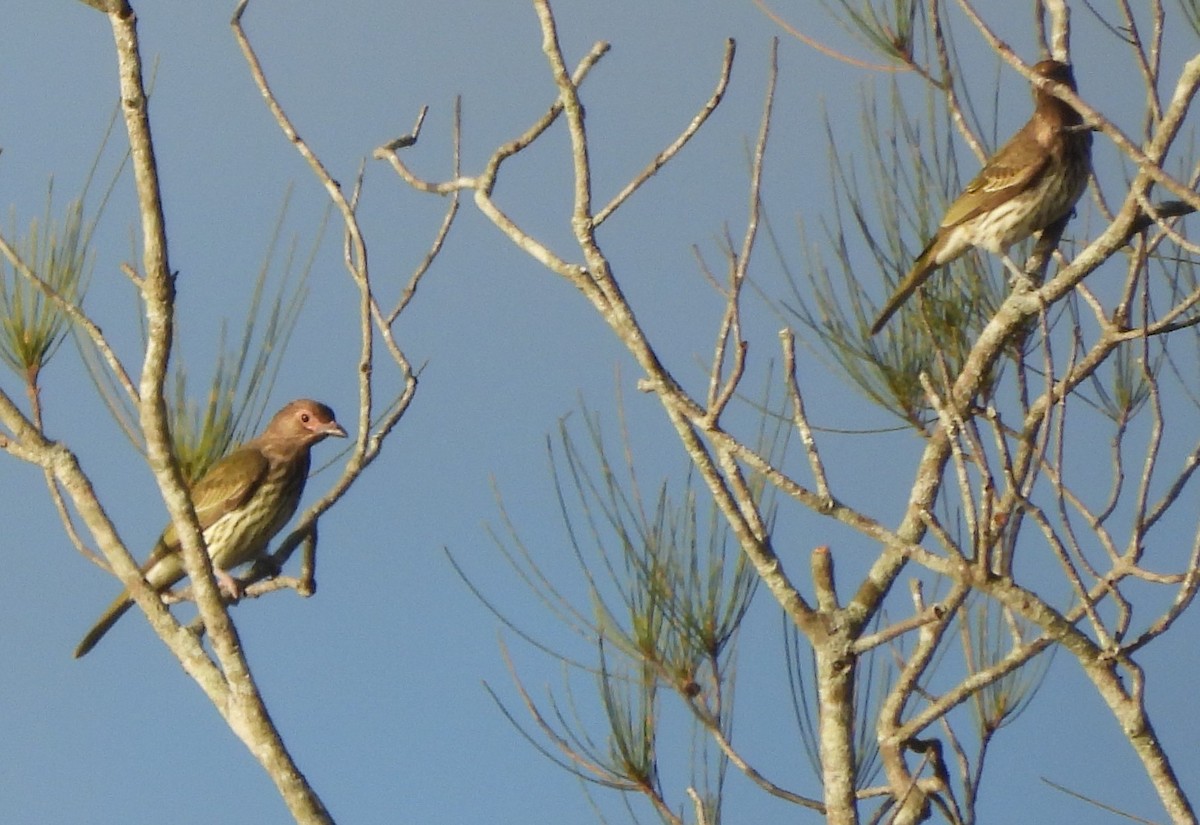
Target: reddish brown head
304,422
1054,70
1059,73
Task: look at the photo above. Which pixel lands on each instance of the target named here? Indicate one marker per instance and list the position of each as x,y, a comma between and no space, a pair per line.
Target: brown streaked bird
1031,182
241,503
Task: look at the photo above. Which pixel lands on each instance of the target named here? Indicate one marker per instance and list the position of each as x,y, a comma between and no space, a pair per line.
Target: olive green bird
241,503
1032,181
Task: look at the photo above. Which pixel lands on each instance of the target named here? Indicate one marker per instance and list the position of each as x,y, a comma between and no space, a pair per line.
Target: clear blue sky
375,683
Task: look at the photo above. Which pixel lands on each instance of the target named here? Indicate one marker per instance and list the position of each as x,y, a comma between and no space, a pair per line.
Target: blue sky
376,682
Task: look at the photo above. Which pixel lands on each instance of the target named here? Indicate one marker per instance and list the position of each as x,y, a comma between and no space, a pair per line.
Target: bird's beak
333,428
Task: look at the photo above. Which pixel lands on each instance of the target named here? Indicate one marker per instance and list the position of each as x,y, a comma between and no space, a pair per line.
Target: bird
1031,182
241,502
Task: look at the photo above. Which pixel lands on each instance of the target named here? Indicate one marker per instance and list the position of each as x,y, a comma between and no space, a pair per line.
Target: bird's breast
242,534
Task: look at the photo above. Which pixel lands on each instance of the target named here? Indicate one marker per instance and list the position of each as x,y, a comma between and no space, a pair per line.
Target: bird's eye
304,417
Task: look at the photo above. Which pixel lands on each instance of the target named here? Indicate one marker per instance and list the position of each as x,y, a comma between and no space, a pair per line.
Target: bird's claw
1022,283
1017,279
230,586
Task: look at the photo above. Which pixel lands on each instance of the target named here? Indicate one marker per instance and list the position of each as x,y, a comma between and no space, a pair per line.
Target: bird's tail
920,272
115,611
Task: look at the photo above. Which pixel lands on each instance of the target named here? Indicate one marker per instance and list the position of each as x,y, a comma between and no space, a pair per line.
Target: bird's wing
226,486
1011,170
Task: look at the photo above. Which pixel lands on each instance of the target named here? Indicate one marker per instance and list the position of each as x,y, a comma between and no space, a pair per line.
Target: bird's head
1055,71
306,421
1055,112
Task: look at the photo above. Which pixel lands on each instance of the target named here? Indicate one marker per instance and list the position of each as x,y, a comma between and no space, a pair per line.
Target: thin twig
663,157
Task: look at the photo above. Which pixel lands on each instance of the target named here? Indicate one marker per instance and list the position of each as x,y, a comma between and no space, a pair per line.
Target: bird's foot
230,586
1017,279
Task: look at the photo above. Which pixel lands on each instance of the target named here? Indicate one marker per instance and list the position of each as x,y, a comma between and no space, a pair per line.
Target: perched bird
1031,182
241,503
